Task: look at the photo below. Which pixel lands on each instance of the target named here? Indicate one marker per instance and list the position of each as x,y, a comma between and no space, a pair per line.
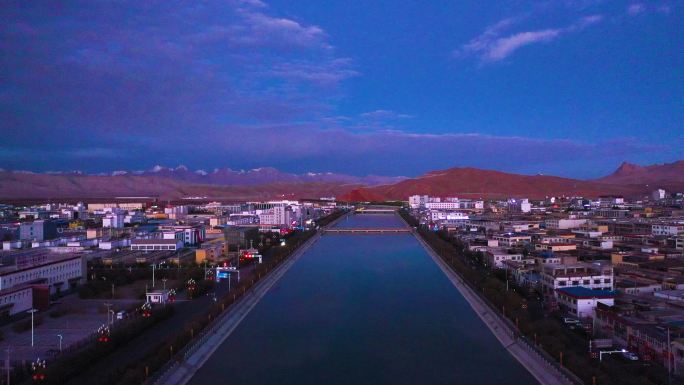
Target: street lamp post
60,341
601,353
32,311
109,305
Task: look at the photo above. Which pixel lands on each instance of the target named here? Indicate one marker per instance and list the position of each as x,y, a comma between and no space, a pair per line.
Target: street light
32,311
109,305
60,341
601,353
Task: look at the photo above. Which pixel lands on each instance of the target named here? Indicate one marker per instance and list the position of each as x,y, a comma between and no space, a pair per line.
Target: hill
470,182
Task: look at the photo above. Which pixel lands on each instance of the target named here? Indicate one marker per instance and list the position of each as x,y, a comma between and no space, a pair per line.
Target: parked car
630,356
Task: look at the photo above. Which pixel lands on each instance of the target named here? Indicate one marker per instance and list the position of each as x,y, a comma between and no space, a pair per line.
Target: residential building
581,301
39,230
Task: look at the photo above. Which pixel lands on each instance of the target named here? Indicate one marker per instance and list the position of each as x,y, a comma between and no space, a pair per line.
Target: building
588,275
658,194
555,247
113,220
496,257
58,273
418,201
38,230
512,239
581,301
156,244
211,251
277,216
667,229
564,224
191,235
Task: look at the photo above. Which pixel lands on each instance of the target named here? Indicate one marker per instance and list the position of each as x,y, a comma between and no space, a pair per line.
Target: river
363,309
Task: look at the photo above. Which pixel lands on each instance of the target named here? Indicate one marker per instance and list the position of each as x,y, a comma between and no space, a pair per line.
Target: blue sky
570,88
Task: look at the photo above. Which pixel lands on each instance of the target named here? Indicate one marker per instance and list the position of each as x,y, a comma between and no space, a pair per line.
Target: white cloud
635,9
490,46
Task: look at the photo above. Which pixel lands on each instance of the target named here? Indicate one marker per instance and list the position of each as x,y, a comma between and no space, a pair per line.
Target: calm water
363,309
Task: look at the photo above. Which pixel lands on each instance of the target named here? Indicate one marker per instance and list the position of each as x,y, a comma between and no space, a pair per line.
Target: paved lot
83,319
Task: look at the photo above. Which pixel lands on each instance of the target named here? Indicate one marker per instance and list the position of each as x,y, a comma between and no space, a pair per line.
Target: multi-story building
511,240
156,244
496,257
581,301
113,220
38,230
667,229
589,275
277,216
564,224
59,273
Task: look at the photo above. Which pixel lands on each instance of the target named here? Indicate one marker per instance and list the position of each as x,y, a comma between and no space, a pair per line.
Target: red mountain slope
657,175
471,182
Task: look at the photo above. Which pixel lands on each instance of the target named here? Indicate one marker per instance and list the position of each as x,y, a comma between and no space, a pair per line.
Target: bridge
403,230
376,209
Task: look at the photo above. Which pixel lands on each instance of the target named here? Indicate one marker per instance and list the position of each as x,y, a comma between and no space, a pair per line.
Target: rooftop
585,293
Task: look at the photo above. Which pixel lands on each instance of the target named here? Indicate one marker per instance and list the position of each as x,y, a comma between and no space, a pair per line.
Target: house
497,255
581,301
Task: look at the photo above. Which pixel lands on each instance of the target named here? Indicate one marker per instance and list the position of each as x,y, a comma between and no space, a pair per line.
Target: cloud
307,147
328,73
111,73
491,46
384,115
635,9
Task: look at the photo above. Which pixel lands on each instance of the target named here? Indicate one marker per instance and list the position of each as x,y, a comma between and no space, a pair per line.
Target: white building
658,194
667,229
564,224
113,220
418,201
512,239
277,216
581,302
59,273
156,244
496,257
588,275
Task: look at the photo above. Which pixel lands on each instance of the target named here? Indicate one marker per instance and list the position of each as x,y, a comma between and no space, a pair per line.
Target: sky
570,88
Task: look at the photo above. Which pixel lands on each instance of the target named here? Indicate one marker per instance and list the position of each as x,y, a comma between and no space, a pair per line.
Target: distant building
156,244
38,230
658,194
564,224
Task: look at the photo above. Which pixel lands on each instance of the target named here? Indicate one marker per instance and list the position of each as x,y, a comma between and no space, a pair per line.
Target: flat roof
586,293
155,241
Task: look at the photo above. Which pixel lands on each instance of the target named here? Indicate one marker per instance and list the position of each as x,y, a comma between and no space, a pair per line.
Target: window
607,280
586,282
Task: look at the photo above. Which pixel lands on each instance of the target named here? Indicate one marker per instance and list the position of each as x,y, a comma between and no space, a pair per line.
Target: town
611,269
75,275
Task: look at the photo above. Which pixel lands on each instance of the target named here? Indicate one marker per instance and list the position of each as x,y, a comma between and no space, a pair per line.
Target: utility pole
153,266
109,305
32,311
669,358
8,364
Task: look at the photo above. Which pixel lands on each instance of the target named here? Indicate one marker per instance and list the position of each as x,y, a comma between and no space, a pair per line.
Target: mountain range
269,183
